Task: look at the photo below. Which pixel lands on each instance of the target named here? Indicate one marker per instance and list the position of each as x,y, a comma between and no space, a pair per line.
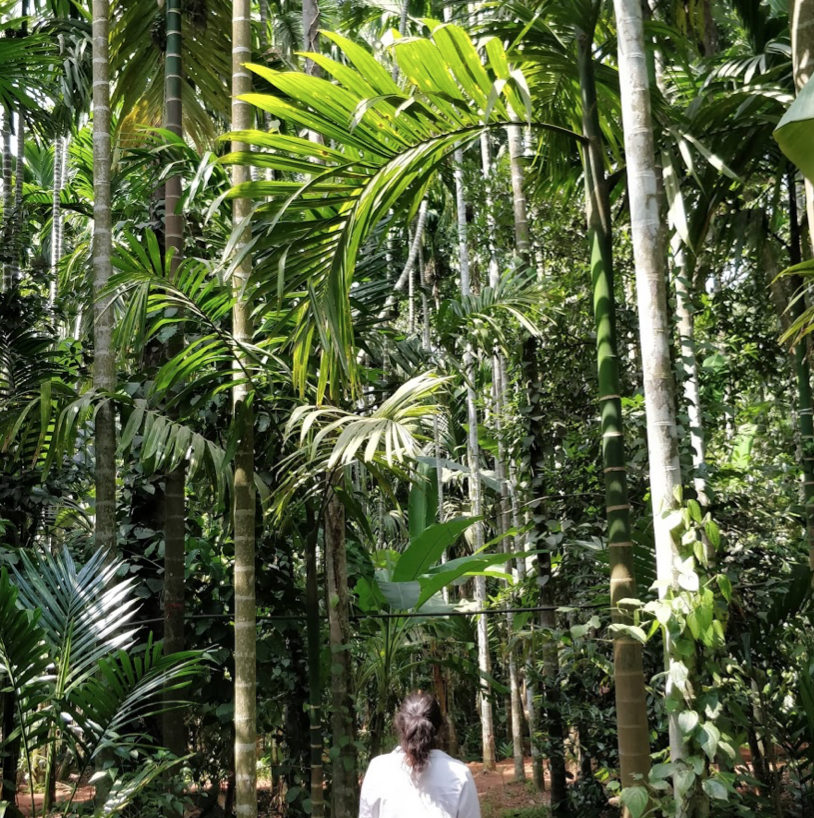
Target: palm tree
104,372
243,490
802,51
629,683
649,252
175,481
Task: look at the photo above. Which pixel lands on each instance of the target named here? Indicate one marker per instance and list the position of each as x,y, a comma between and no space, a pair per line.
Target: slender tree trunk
654,325
17,221
104,365
345,779
802,370
553,722
60,156
691,385
314,680
174,731
802,52
7,198
243,494
473,457
522,241
631,696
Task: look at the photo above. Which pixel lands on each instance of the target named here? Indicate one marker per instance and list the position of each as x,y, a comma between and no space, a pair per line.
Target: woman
417,780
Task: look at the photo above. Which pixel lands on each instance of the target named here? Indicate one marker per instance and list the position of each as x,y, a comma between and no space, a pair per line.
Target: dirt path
499,793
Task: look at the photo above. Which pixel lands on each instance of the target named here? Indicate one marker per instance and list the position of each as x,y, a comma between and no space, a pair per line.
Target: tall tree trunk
631,696
802,54
104,362
7,198
473,458
243,494
552,713
19,180
104,365
691,386
654,326
802,370
60,157
522,240
314,679
174,732
345,779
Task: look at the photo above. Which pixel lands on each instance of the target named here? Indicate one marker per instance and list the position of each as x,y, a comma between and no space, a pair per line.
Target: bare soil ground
496,789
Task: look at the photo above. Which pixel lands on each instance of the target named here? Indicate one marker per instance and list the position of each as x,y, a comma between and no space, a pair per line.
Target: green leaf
713,534
725,584
708,737
426,549
683,781
795,131
636,800
688,721
422,504
715,789
401,596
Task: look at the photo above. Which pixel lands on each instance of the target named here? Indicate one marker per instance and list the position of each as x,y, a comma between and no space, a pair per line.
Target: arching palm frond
389,439
387,144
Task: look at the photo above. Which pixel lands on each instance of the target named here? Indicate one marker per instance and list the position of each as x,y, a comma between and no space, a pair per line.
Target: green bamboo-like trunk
174,734
243,492
631,700
345,778
312,625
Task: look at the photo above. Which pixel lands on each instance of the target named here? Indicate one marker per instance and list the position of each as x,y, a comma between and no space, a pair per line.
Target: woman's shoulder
453,764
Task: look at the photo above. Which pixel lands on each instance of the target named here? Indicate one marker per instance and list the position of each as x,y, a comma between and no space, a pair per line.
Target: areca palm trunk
314,679
17,221
60,156
473,458
243,493
631,696
802,54
345,779
175,481
104,371
654,325
522,240
7,198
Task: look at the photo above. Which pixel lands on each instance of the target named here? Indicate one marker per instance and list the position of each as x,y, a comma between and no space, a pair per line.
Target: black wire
484,611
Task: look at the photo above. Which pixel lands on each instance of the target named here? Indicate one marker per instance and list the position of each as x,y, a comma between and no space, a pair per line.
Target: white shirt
443,789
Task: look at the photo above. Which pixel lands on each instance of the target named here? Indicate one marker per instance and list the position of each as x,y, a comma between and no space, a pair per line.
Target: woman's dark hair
418,722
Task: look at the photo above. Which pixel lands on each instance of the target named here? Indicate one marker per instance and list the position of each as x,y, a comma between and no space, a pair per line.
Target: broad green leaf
636,800
683,781
688,721
795,131
422,504
426,549
708,737
715,789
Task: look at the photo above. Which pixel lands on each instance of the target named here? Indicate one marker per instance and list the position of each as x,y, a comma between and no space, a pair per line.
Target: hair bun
418,723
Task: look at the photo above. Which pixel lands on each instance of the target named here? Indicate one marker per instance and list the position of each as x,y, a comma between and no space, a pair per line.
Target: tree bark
522,241
314,679
60,158
19,179
7,198
243,494
345,780
174,732
654,326
802,54
629,683
104,366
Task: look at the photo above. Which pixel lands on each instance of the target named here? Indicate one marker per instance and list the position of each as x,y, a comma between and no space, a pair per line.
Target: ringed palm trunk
473,458
243,493
60,156
629,683
802,53
175,481
552,725
7,198
654,326
104,373
17,221
345,780
314,680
